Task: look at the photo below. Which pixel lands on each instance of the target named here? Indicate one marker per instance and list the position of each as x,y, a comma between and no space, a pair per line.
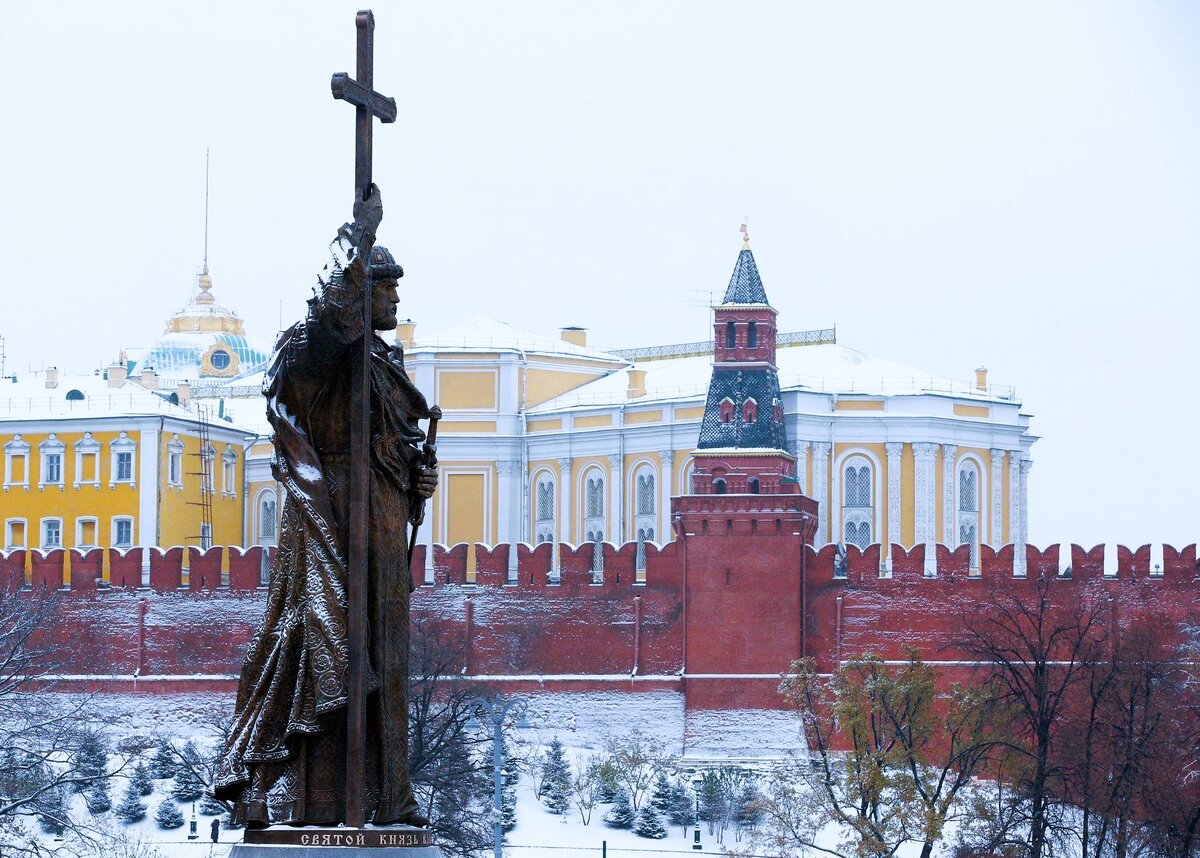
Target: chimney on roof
116,375
405,332
637,384
981,378
51,377
149,379
573,335
183,392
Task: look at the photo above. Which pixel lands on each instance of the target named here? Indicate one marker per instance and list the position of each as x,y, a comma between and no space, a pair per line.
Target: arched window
730,335
645,511
75,395
968,508
749,411
544,509
752,485
593,516
268,517
752,335
689,471
858,512
718,486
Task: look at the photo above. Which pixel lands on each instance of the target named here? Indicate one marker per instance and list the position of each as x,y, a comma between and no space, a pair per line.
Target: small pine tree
131,809
682,810
508,807
620,815
649,823
168,815
52,811
188,786
92,759
164,763
660,798
96,797
606,772
209,806
556,779
140,779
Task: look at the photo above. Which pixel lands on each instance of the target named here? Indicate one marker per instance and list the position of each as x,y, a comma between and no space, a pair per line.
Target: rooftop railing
816,337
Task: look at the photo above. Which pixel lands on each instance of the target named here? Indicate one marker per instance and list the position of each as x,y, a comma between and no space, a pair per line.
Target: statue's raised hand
368,213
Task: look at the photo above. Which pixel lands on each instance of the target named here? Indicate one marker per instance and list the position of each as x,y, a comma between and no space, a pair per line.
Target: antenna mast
205,209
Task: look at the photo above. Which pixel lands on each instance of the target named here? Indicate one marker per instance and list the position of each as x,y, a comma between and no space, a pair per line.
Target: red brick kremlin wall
727,596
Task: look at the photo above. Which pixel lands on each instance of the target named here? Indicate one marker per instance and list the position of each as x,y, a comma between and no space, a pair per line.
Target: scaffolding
206,455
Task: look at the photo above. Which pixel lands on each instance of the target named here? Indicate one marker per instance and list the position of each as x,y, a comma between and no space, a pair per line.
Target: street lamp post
497,709
697,782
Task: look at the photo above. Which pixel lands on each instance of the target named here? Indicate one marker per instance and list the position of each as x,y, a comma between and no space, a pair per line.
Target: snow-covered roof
827,368
487,334
85,396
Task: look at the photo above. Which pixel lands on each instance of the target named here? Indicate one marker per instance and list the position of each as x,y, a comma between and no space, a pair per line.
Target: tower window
752,335
752,485
726,410
749,411
718,486
730,335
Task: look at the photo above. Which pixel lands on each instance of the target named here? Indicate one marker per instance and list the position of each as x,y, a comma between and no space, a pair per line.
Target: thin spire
744,229
205,209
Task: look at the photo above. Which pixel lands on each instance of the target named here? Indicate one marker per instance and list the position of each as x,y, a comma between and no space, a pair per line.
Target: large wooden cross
369,105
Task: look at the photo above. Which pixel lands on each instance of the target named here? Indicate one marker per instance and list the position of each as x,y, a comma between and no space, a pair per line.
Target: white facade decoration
802,451
925,497
949,537
894,452
667,483
1014,512
616,514
821,451
997,532
15,450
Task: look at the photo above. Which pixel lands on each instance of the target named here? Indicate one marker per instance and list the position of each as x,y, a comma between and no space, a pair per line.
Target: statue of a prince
284,761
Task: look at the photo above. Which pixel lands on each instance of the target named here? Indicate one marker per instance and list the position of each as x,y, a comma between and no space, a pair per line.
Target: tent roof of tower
745,286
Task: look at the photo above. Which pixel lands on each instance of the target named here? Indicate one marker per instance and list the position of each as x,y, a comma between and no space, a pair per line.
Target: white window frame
595,527
79,523
969,518
9,545
52,447
13,450
122,444
208,481
115,527
229,472
87,446
43,529
644,484
544,529
858,515
266,539
175,463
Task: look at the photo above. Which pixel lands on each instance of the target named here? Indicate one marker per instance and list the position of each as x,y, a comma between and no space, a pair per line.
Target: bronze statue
285,760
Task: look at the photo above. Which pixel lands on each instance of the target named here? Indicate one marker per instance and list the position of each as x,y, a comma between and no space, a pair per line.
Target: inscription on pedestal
361,837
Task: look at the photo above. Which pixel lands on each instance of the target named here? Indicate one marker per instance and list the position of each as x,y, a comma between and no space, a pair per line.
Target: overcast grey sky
1008,184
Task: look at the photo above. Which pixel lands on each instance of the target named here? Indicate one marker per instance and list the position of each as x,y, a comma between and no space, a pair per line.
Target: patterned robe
284,761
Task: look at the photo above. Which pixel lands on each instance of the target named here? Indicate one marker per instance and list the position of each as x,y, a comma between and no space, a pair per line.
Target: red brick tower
744,527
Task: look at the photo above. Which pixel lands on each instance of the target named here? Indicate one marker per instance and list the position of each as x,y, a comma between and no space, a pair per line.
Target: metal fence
816,337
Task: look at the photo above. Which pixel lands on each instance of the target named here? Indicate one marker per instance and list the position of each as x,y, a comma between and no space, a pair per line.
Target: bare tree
45,756
446,761
636,759
1032,653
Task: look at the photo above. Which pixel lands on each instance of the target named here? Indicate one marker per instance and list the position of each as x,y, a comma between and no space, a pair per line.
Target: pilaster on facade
1026,465
949,537
666,459
894,451
508,511
148,496
564,505
925,501
616,485
1014,512
997,498
802,450
821,451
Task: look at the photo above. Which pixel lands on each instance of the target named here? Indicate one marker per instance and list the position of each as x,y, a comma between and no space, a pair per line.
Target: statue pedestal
314,841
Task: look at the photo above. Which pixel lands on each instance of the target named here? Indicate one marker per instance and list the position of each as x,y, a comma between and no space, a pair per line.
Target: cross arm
348,89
